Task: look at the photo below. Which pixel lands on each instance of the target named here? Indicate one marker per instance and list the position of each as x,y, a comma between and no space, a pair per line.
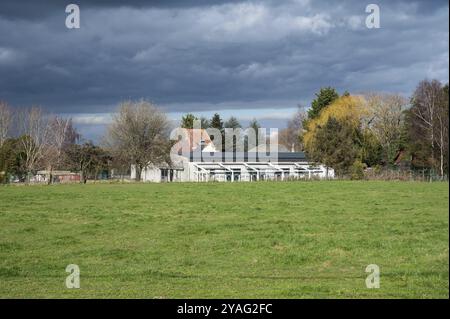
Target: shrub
357,170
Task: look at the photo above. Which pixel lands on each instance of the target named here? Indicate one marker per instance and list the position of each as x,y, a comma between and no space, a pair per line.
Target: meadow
225,240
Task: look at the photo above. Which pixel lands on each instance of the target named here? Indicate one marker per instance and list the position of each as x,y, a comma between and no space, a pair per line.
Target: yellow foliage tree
346,108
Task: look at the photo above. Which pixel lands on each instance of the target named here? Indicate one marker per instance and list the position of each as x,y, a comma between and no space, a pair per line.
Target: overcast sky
247,58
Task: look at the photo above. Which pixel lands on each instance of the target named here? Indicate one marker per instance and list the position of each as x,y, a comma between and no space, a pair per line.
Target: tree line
350,133
379,131
31,140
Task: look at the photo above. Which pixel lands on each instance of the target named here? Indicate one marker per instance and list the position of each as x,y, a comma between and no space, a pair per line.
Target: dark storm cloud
199,55
36,9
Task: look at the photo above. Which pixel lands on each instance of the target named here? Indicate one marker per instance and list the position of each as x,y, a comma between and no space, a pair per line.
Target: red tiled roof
194,139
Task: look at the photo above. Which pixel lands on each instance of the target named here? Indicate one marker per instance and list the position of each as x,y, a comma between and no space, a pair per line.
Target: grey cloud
36,10
190,55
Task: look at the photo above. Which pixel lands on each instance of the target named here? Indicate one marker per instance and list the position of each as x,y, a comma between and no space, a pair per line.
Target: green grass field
225,240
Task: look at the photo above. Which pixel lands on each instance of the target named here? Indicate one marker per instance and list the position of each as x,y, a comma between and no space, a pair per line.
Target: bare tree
442,122
33,126
386,120
139,133
428,100
60,134
5,121
290,136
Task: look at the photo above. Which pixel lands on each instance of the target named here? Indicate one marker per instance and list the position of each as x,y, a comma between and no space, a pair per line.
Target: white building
204,163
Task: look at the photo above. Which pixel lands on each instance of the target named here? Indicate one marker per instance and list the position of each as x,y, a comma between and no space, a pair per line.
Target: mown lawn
225,240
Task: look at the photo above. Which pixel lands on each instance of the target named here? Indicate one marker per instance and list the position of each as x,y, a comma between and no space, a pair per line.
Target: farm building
204,163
